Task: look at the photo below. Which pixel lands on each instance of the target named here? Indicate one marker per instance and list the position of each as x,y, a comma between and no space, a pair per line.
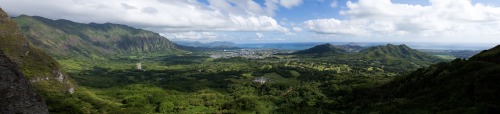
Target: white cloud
290,3
334,4
249,7
297,29
156,15
259,35
457,19
334,26
191,35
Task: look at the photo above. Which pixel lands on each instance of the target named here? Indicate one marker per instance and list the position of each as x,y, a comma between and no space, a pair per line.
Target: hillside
491,55
396,52
322,49
43,72
16,94
66,38
459,86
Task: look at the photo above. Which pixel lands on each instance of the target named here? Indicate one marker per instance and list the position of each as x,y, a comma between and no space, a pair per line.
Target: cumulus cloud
156,15
442,18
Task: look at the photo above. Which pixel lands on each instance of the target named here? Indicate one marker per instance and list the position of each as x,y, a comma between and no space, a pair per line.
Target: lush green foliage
197,84
459,86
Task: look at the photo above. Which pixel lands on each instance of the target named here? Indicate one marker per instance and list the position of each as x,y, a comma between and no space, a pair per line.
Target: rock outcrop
16,94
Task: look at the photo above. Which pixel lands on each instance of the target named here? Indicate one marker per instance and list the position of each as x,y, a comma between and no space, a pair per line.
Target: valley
197,83
87,68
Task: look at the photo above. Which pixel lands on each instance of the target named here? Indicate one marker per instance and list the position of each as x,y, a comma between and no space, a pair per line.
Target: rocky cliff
16,94
40,70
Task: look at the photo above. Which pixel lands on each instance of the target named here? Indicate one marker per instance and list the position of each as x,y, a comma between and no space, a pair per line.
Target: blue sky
270,21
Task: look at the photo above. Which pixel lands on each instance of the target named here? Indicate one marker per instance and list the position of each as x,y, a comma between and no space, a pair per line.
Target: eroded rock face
16,94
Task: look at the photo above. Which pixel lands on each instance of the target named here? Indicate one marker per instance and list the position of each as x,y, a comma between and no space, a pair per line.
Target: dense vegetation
201,84
196,83
459,86
323,79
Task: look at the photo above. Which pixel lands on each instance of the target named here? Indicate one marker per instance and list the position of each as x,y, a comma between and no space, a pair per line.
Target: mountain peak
391,51
320,49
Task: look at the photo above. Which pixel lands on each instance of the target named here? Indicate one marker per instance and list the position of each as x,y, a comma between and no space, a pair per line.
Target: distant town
248,53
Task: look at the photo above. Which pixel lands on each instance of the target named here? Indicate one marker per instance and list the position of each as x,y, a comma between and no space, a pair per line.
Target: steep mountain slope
491,55
322,49
459,86
396,52
67,38
40,69
16,94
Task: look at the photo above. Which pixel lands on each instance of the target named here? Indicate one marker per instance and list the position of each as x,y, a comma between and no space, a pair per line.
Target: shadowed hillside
459,86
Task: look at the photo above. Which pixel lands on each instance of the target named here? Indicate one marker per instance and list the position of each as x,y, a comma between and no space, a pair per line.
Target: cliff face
64,38
16,94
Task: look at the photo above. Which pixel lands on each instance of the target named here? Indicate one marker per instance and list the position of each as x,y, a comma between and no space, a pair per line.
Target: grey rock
16,94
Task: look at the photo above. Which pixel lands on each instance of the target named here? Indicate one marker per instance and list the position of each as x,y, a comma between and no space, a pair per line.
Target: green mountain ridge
391,51
63,38
322,49
41,70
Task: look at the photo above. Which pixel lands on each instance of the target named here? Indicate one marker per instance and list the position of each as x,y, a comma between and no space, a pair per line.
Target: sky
272,21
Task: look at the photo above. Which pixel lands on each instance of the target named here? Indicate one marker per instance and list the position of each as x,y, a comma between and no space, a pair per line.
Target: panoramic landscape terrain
249,56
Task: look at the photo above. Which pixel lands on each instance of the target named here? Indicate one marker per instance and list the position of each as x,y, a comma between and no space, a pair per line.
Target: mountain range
374,53
64,38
